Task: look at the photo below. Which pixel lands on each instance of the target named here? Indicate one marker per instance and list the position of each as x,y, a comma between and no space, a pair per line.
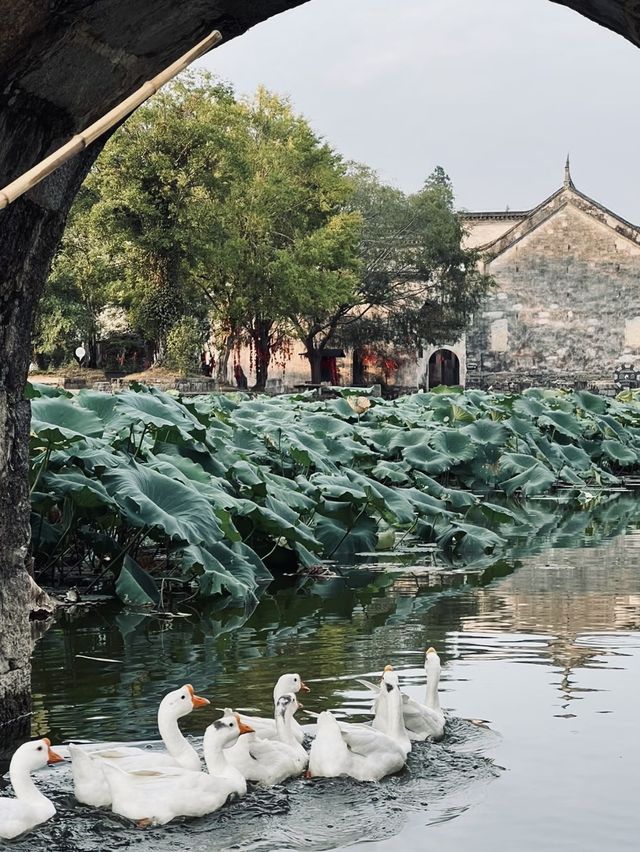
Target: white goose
422,721
269,761
426,721
266,728
155,796
30,807
361,751
90,784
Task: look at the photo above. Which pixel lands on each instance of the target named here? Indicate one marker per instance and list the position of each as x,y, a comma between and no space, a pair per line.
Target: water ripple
440,779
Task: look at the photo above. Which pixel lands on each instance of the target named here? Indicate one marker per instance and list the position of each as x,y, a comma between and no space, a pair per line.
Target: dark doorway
328,369
444,368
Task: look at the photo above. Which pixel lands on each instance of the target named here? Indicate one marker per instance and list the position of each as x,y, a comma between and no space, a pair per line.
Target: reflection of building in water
567,595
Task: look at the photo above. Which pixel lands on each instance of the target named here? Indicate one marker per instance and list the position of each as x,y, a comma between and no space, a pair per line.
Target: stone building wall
568,298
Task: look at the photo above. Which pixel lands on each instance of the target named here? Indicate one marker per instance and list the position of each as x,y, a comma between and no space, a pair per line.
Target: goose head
431,661
390,680
180,702
224,732
34,755
287,705
289,683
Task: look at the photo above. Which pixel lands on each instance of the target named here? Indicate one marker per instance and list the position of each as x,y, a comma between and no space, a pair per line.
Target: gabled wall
569,294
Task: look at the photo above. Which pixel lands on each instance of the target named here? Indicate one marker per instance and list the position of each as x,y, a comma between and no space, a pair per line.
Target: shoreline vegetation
144,493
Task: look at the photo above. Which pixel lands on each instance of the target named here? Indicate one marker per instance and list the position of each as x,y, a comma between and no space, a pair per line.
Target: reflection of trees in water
566,597
334,629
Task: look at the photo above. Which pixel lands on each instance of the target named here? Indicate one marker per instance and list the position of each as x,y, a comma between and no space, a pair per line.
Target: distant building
567,307
566,310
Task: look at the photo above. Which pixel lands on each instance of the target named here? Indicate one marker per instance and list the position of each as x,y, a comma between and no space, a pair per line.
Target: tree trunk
30,230
358,368
262,343
315,362
222,368
92,354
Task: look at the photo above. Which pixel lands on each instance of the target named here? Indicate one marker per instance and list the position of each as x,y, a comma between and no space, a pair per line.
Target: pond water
545,646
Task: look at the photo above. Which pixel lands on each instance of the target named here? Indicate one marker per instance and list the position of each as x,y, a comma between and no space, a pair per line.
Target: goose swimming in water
363,752
29,807
90,784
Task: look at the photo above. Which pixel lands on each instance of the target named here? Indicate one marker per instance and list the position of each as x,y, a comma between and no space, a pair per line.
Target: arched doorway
444,368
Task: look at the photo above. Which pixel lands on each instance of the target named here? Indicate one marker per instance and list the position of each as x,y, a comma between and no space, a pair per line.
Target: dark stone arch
443,369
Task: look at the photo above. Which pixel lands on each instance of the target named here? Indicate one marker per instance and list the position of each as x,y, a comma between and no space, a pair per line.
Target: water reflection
531,642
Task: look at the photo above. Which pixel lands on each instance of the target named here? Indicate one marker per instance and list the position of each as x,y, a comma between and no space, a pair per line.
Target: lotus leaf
563,422
58,420
623,456
455,444
486,432
135,586
151,499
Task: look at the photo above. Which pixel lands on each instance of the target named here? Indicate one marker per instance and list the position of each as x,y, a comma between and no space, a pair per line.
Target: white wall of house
286,373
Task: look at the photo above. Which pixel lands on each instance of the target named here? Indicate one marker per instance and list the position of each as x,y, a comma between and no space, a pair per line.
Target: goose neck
394,718
218,766
24,786
174,740
432,699
214,757
284,729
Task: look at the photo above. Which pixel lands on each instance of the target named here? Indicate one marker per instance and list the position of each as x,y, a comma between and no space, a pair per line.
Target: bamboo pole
82,140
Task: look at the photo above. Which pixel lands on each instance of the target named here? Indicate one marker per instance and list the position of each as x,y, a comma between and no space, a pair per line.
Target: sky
495,91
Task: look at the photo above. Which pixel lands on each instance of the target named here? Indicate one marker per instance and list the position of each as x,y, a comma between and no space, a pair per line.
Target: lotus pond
153,496
247,537
543,643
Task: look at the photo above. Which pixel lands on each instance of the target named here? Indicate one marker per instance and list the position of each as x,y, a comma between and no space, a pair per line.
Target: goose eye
39,748
183,697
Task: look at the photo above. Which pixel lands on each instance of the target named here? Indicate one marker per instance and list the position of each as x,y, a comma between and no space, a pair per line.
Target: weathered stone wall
285,374
568,300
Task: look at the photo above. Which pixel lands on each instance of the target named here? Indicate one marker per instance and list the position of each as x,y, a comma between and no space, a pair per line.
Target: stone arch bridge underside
63,63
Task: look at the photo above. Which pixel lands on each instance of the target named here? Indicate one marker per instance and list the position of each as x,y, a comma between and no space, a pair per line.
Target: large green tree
206,205
417,282
287,241
147,217
161,181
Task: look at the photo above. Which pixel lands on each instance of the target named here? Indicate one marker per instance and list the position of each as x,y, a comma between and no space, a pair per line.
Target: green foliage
184,343
216,482
145,226
203,205
418,282
235,212
77,289
134,586
286,243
